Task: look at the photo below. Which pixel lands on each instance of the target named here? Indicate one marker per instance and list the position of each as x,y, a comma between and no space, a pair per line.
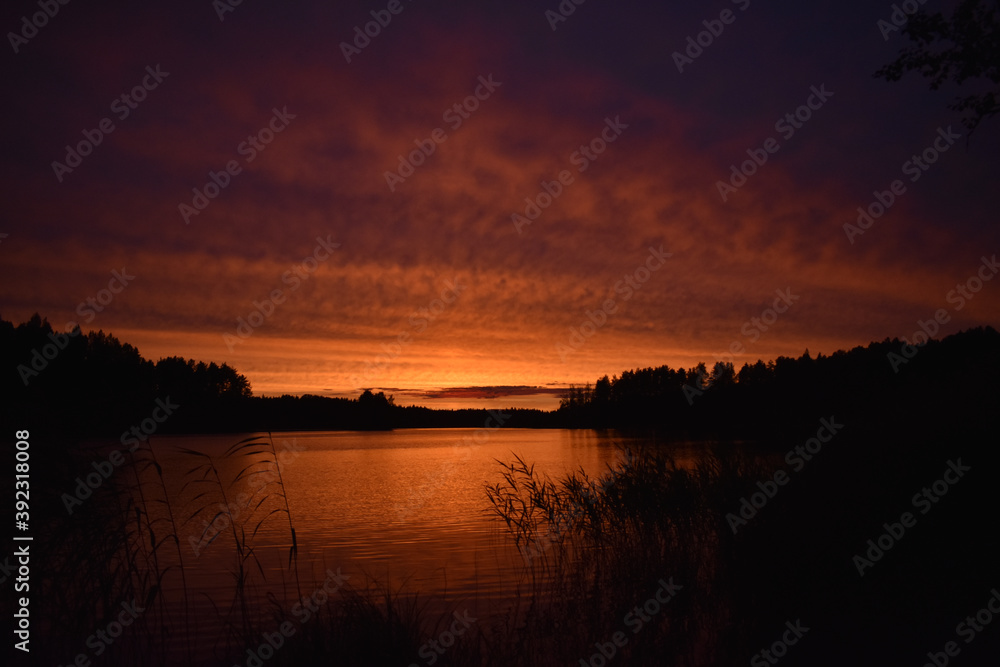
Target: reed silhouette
593,548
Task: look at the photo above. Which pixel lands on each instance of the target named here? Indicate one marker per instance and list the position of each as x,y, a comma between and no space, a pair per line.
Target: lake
406,508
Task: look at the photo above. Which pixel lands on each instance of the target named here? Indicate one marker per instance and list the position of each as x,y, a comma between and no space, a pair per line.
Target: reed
593,548
598,545
241,518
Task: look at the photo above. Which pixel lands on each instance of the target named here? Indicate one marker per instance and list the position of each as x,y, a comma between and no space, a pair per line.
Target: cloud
486,392
324,176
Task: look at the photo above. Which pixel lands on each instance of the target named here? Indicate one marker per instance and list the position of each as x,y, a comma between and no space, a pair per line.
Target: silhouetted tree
961,48
375,411
97,385
754,376
184,379
698,377
722,375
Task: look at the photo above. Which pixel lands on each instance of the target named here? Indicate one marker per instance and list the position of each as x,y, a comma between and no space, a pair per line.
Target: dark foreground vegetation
646,553
100,386
735,547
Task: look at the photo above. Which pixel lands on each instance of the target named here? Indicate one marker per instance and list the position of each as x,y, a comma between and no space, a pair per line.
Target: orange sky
323,176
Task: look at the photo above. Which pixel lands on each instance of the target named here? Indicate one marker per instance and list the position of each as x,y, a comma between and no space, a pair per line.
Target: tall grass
129,540
592,549
596,547
107,552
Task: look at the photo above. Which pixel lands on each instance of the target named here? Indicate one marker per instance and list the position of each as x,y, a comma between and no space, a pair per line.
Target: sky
478,204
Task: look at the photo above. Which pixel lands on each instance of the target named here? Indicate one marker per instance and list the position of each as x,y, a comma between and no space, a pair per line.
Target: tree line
94,384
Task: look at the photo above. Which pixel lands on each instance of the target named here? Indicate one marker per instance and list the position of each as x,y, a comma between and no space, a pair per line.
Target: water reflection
406,508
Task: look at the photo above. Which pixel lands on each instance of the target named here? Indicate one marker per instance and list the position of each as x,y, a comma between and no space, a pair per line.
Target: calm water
406,507
409,504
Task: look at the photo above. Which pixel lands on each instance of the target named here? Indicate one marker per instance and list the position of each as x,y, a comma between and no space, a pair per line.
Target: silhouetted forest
79,385
954,379
94,385
905,416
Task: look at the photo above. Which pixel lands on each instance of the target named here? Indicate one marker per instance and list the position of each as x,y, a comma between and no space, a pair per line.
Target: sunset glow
403,332
509,111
